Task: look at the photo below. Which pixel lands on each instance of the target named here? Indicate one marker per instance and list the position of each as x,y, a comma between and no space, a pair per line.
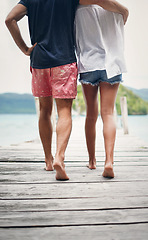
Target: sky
14,65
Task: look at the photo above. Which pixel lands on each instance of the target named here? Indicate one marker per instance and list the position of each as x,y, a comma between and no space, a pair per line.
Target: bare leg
45,129
63,130
108,94
91,101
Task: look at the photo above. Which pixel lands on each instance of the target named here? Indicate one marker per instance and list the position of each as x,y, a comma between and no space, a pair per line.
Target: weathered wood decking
33,205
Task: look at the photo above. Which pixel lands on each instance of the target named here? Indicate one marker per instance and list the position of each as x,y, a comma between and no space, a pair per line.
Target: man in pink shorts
53,65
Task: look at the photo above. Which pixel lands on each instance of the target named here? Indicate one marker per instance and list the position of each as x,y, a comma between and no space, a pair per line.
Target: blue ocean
18,128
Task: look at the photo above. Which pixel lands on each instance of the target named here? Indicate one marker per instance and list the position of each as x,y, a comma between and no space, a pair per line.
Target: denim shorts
95,77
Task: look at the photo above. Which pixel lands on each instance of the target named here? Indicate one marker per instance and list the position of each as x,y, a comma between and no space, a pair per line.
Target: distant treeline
24,103
136,105
17,103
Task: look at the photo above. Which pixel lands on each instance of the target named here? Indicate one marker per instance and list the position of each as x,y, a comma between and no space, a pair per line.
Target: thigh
108,95
91,98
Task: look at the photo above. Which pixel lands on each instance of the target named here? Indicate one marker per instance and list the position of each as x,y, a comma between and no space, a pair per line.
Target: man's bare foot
49,164
92,164
108,171
60,171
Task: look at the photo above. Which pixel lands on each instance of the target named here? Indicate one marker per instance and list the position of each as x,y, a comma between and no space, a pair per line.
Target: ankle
92,159
49,158
109,161
59,157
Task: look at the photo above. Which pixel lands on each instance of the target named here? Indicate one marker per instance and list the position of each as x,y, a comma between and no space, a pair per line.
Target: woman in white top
100,46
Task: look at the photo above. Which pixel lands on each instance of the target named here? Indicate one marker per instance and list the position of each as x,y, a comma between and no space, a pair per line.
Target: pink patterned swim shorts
59,82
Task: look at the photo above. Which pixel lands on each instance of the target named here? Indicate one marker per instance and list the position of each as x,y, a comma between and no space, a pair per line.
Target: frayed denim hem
97,84
88,83
111,83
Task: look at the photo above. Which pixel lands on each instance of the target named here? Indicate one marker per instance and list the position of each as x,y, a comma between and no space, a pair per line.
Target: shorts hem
97,84
88,83
65,97
60,97
39,95
111,83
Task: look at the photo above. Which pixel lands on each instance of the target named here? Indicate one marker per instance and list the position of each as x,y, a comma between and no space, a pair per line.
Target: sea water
18,128
138,126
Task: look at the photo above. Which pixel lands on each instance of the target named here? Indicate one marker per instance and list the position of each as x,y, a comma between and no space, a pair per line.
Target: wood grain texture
33,205
102,232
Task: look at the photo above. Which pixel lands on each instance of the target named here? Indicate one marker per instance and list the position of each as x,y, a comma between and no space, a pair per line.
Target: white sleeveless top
99,40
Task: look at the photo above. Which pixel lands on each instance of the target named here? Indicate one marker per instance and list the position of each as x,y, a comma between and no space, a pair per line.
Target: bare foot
60,171
49,164
92,164
108,171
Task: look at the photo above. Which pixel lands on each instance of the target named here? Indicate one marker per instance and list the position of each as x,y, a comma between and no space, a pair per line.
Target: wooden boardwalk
33,205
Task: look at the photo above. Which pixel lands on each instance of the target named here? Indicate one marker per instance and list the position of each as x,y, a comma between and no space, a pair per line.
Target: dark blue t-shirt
51,24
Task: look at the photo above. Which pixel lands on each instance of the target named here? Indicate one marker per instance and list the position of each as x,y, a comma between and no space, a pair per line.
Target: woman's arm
110,5
17,13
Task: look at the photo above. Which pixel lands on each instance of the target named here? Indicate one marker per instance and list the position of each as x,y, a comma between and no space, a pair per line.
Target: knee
92,118
66,120
92,114
64,124
45,112
107,113
64,115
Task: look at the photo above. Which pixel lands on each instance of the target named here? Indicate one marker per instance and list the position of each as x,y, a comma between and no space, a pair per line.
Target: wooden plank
83,154
73,160
70,218
72,150
23,168
32,148
74,204
34,173
110,232
72,153
73,190
8,168
124,112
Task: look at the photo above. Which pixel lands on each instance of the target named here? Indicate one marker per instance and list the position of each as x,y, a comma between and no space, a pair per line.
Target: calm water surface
17,128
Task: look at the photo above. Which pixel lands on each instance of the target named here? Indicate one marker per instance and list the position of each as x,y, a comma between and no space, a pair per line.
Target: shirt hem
91,70
52,66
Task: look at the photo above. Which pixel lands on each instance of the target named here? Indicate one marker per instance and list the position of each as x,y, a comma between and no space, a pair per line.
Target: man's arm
16,14
110,5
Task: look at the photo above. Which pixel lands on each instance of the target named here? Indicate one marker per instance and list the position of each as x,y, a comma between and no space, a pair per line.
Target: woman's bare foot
92,164
108,170
60,171
49,164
